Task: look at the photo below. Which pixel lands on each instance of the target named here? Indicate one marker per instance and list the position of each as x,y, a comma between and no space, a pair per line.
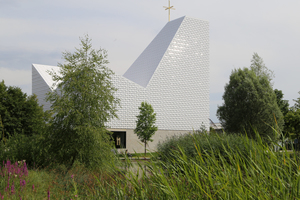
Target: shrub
31,148
213,144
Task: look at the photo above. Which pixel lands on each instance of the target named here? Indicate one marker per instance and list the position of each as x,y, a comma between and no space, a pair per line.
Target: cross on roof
169,8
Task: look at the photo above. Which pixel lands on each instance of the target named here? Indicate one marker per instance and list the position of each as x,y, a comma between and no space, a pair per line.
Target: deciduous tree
259,68
292,121
249,105
145,124
83,101
282,104
292,124
297,103
19,113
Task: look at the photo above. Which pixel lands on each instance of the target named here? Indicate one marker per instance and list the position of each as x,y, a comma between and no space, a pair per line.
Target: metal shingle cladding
177,86
172,74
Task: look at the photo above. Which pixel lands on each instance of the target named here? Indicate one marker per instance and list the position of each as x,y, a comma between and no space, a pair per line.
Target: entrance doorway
119,138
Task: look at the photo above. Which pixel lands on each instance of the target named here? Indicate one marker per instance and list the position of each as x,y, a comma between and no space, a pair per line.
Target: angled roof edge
128,80
142,70
43,71
196,18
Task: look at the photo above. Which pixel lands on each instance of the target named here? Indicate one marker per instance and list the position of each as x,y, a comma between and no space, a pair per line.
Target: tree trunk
145,158
145,148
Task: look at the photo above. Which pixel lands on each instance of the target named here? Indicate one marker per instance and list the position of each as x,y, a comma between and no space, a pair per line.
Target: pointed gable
43,72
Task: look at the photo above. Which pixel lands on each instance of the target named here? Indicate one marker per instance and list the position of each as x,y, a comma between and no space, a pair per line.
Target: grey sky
35,31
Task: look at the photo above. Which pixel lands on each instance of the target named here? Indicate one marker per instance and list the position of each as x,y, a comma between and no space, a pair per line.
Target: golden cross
169,8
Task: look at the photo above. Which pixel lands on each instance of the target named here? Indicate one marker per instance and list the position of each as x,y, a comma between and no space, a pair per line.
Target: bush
213,144
23,147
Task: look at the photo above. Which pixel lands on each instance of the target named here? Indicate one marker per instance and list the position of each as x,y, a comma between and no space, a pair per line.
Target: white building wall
42,82
178,87
40,88
131,96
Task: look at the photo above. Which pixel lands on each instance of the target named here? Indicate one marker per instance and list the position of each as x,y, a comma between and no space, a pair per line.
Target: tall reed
225,173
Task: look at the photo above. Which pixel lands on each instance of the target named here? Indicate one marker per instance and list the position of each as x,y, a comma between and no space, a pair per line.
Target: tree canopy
297,103
145,124
292,124
292,121
282,104
250,103
83,101
259,68
18,112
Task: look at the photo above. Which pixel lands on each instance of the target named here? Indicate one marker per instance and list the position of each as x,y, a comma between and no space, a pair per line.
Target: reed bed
256,172
260,173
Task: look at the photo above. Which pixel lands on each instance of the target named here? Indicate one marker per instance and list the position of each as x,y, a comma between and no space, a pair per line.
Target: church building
172,74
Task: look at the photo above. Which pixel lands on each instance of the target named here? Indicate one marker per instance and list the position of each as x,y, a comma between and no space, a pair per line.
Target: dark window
120,139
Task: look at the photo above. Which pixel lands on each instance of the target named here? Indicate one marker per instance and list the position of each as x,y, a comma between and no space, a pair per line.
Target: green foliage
259,174
259,68
297,103
282,104
75,183
292,123
212,144
145,127
249,105
23,147
82,102
263,174
19,113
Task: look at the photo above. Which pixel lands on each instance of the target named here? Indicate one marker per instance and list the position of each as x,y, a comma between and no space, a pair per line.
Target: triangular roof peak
43,71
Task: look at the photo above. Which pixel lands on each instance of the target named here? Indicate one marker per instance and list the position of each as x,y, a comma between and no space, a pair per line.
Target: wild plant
255,172
13,177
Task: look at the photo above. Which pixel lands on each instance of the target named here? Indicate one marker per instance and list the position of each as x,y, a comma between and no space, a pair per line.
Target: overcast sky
35,31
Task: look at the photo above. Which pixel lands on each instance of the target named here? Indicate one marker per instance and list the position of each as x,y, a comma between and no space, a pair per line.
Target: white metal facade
172,74
42,82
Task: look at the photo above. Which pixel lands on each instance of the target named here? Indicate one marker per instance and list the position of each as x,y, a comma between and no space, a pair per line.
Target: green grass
142,155
153,154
